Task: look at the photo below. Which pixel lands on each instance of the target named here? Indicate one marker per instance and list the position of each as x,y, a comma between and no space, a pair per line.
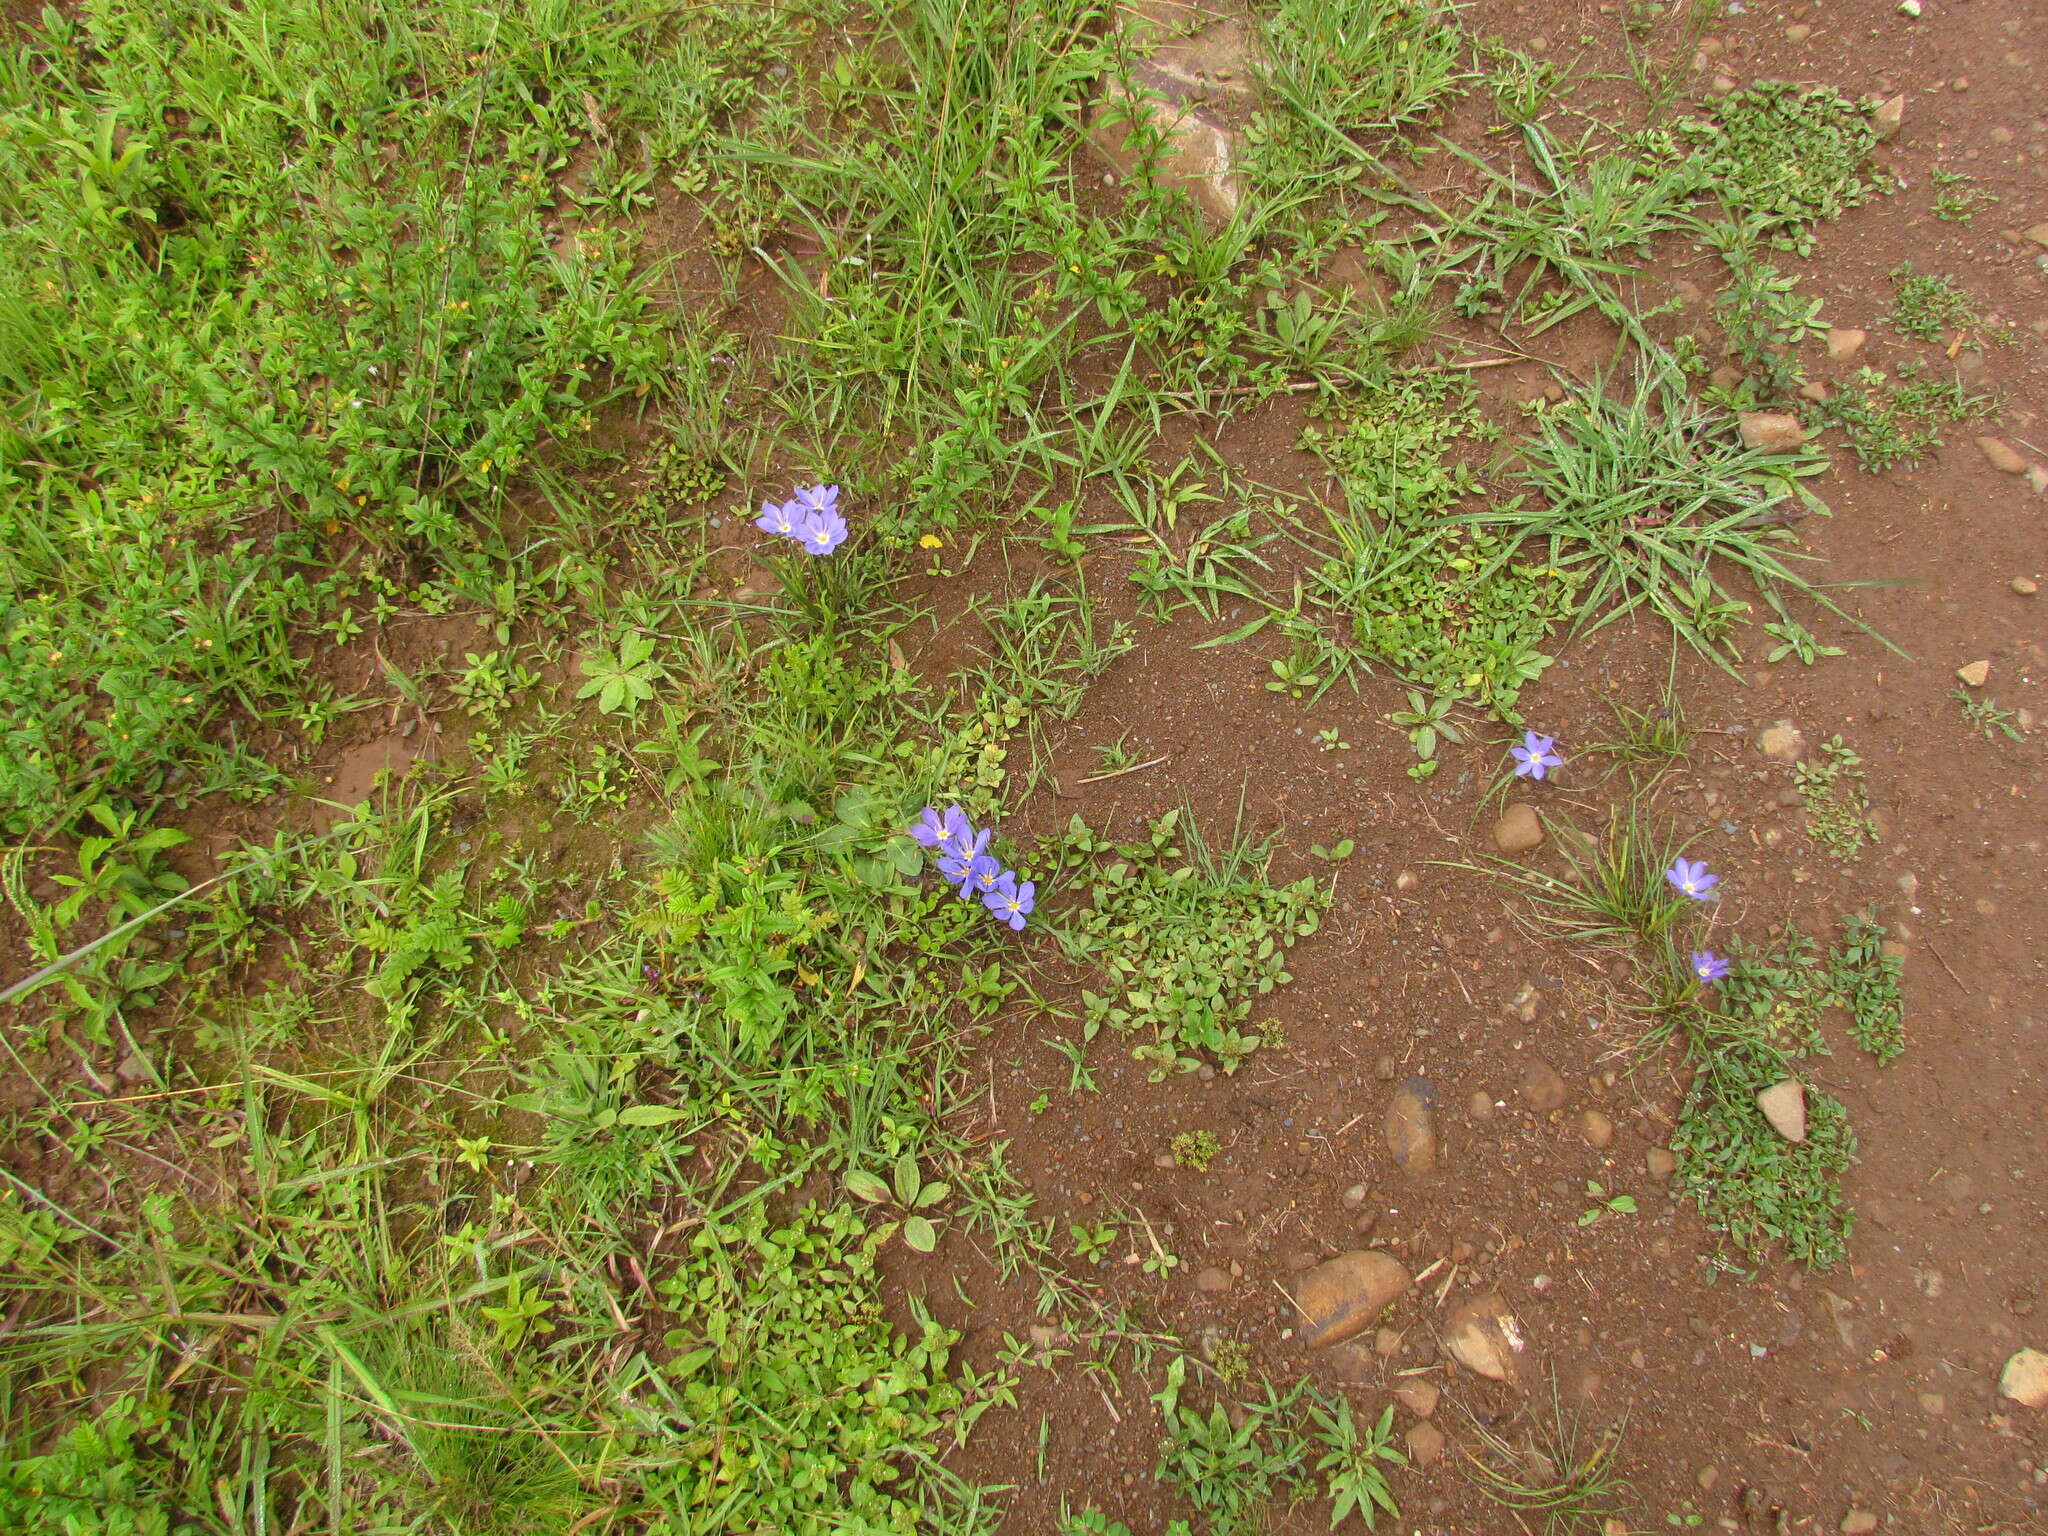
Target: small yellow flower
931,541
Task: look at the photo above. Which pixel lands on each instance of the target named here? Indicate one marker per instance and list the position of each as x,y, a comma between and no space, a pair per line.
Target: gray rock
1341,1298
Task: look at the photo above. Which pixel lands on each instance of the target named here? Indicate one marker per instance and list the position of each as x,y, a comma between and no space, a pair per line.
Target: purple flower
986,876
959,863
1708,966
1010,901
943,831
1533,758
784,520
1691,877
818,498
821,531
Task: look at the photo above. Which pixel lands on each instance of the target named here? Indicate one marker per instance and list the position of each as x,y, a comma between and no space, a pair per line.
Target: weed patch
1188,940
1786,157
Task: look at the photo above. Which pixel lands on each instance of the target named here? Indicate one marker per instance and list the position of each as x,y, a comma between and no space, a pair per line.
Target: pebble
1425,1444
1774,431
1213,1279
1162,1160
1386,1343
1518,831
1341,1298
1418,1397
1784,1105
1976,674
2025,1378
1357,1195
2039,234
2002,456
1405,881
2025,586
1889,116
1410,1126
1845,343
1722,85
1858,1522
1597,1130
1479,1104
1542,1087
1384,1068
1661,1162
1706,1477
1798,32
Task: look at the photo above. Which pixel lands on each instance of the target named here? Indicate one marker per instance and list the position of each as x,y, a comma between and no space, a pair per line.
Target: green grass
528,1152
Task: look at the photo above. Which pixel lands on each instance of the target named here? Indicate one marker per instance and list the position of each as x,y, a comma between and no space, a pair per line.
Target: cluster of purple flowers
1534,759
961,849
810,518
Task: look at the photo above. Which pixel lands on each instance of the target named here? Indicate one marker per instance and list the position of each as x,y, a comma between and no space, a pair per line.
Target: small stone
1384,1067
1405,881
1773,431
2039,235
1542,1087
1162,1160
1783,741
1425,1444
1815,391
1858,1522
1518,831
1845,342
1479,1104
2037,477
1597,1130
1483,1336
1706,1477
1798,32
1722,85
1386,1343
1976,674
1357,1195
1725,377
1889,116
2025,586
1528,1003
1213,1279
1661,1162
1419,1397
1410,1127
2025,1378
1934,1405
1784,1105
1340,1299
2002,456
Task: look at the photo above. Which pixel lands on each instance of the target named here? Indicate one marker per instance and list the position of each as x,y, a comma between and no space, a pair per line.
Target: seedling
1195,1150
1605,1205
911,1193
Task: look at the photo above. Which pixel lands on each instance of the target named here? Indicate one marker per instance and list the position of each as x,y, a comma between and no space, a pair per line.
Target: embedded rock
2025,1378
1542,1086
1484,1337
1341,1298
1411,1126
1773,431
2002,456
1784,1105
1518,831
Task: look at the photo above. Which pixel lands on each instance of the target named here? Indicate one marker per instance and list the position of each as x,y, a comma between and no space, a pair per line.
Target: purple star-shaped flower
1708,966
959,864
943,830
784,520
821,531
1010,901
1534,758
1691,877
818,498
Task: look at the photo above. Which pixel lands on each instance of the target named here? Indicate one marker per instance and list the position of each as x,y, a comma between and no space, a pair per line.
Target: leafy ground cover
551,554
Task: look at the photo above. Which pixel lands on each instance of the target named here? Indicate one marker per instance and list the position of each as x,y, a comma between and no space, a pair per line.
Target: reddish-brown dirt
1785,1401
